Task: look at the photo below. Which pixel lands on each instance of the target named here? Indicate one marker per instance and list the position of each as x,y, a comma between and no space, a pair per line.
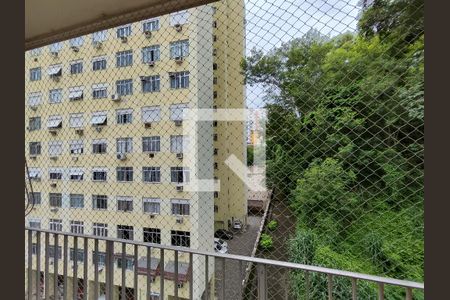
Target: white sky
272,22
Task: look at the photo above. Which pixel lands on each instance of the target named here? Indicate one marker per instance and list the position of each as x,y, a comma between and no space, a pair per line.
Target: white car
220,246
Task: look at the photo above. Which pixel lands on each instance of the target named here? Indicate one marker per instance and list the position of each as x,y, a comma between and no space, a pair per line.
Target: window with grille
76,174
99,202
180,207
179,49
34,123
124,58
34,173
76,200
152,206
129,262
178,143
99,91
124,174
76,93
100,229
52,253
55,47
35,198
150,84
76,120
79,255
55,199
55,96
55,224
76,146
35,148
179,80
124,31
150,25
34,223
124,145
179,174
99,146
179,18
180,238
177,111
151,114
124,87
151,144
125,232
76,42
100,36
99,63
152,235
124,116
76,67
55,148
151,174
35,74
150,54
55,173
99,174
34,99
77,227
124,204
101,256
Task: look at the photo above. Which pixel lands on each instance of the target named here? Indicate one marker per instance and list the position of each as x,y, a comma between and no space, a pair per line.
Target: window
76,146
150,54
178,143
34,123
55,71
34,173
77,227
99,202
150,25
125,232
35,198
55,96
54,122
101,256
99,146
179,80
99,174
34,223
124,116
124,145
150,84
152,206
76,93
124,31
79,255
99,91
76,174
36,52
124,87
34,99
177,111
55,224
179,174
99,36
129,264
35,148
99,118
76,200
52,253
151,174
124,174
152,235
55,148
151,114
124,203
55,199
35,74
180,207
124,58
151,144
76,42
179,49
181,238
76,67
55,173
99,63
76,120
55,47
100,229
179,18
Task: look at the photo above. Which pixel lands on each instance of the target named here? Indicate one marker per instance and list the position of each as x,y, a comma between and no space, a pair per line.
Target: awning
54,70
154,266
98,120
34,173
54,123
75,95
183,270
77,173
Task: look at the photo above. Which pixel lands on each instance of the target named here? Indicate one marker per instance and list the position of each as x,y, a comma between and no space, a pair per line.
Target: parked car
223,234
221,248
221,242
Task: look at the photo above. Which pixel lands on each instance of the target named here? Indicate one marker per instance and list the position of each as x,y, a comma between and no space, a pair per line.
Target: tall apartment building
105,143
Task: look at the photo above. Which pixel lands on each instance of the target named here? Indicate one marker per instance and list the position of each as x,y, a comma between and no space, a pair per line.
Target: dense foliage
345,143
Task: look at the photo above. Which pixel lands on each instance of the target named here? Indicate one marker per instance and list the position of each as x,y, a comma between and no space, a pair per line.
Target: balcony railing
184,266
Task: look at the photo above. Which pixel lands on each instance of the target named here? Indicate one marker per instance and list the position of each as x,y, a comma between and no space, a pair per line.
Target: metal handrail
263,261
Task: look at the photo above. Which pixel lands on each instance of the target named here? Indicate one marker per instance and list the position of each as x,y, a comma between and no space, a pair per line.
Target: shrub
272,225
266,242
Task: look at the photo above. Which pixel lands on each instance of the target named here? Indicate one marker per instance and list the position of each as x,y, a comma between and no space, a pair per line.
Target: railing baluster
306,285
149,281
85,269
241,288
38,266
206,277
109,270
55,267
96,259
223,278
124,265
262,282
408,294
30,265
354,289
176,274
75,267
46,266
65,264
381,291
191,283
161,287
330,287
135,278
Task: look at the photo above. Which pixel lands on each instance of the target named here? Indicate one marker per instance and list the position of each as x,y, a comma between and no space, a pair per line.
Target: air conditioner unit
98,45
55,78
180,155
178,27
54,157
151,63
148,34
98,128
179,220
151,154
115,97
152,216
34,107
148,125
179,59
75,158
35,59
100,268
152,279
124,39
54,53
33,156
53,184
75,48
53,131
79,131
180,285
178,122
179,188
121,156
